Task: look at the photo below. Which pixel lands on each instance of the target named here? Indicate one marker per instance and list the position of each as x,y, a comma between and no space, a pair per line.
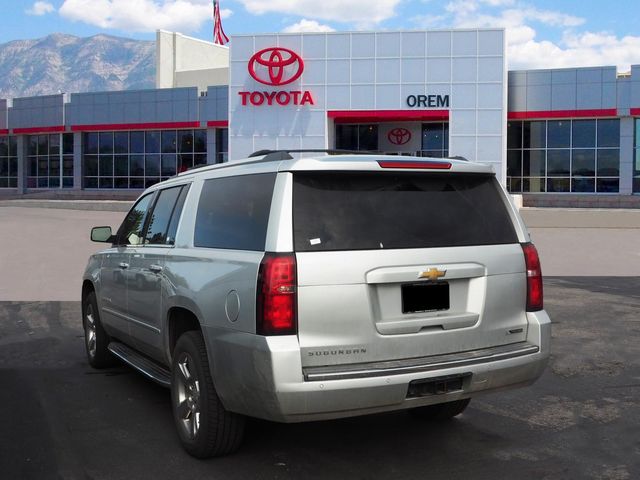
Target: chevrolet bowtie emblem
432,274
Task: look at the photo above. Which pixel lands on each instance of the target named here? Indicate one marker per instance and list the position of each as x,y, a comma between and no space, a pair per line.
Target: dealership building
566,137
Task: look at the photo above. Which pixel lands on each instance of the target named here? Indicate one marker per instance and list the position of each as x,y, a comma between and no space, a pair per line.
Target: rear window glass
367,211
233,212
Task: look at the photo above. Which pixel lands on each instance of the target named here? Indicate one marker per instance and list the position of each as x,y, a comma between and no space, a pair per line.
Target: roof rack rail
271,155
458,157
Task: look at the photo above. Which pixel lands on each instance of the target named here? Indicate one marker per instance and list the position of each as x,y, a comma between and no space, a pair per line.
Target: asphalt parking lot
61,419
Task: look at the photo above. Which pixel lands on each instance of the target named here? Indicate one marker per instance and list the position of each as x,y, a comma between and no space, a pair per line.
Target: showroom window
8,162
435,139
140,159
357,137
636,158
562,156
222,145
50,160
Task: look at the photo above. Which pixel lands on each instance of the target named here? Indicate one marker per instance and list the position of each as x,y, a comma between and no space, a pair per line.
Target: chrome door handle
124,265
155,268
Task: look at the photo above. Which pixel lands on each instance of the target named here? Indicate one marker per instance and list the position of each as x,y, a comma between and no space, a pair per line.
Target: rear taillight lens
277,295
534,277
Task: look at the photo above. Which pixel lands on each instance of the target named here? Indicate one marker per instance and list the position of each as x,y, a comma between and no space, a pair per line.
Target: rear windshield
385,210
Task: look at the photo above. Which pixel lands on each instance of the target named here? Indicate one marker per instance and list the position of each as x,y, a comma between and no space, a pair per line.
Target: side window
131,230
233,212
175,218
162,214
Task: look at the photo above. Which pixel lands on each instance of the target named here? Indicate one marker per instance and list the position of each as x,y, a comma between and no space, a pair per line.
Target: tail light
277,295
534,277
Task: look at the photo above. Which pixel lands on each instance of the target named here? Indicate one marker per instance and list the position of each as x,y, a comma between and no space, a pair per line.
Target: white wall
377,71
183,61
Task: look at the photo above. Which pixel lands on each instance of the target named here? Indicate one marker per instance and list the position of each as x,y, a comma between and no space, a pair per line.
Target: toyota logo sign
276,66
399,136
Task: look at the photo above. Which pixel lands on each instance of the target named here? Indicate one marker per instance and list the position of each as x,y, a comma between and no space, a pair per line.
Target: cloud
577,50
524,49
305,25
361,12
141,15
40,8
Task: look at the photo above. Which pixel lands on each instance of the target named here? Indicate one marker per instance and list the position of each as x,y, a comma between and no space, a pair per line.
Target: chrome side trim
422,364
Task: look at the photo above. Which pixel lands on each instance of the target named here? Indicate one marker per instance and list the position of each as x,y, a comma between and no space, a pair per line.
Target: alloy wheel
90,331
188,396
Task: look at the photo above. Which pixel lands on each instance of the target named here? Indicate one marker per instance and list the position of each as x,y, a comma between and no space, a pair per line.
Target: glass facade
141,158
636,157
8,162
357,137
50,160
562,156
435,139
222,145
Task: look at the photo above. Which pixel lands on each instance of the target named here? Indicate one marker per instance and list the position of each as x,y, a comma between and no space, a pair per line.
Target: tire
441,411
205,428
96,339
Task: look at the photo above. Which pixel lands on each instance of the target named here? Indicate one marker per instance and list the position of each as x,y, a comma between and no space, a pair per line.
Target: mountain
65,63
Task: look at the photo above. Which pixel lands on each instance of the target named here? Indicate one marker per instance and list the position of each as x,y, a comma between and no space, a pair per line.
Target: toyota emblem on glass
269,66
399,136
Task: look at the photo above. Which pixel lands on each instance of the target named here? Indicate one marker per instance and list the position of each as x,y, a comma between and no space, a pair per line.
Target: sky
540,33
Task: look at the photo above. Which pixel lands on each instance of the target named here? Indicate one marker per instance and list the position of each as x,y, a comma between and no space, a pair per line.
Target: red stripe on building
133,126
635,112
218,123
541,114
30,130
348,116
4,131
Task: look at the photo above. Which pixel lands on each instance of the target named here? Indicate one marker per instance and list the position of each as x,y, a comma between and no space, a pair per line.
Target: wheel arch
179,320
87,286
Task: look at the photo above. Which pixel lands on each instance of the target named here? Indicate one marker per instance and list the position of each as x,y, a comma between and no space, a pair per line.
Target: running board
144,365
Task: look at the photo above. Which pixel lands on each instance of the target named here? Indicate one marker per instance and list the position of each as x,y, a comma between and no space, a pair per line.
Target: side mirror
101,234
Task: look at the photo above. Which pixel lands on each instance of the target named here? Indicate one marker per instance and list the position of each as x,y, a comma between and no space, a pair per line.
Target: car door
145,276
115,270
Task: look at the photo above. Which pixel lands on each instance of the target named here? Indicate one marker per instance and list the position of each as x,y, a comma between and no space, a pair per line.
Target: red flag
218,33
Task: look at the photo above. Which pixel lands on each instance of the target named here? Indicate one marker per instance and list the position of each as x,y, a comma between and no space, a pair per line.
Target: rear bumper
263,377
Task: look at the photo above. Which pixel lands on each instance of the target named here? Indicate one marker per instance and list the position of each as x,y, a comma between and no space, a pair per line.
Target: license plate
425,297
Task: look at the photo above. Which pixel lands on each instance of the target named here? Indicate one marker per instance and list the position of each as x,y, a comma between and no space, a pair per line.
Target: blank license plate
425,297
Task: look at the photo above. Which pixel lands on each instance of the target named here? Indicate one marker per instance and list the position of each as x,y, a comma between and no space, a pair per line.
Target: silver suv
297,289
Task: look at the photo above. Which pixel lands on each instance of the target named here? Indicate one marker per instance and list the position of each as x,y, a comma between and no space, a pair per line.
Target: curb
88,205
581,218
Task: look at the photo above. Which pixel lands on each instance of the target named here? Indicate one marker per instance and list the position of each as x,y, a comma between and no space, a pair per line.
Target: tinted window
175,217
584,163
559,134
372,211
514,135
131,230
534,135
609,133
161,216
558,163
608,163
584,133
533,163
233,212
